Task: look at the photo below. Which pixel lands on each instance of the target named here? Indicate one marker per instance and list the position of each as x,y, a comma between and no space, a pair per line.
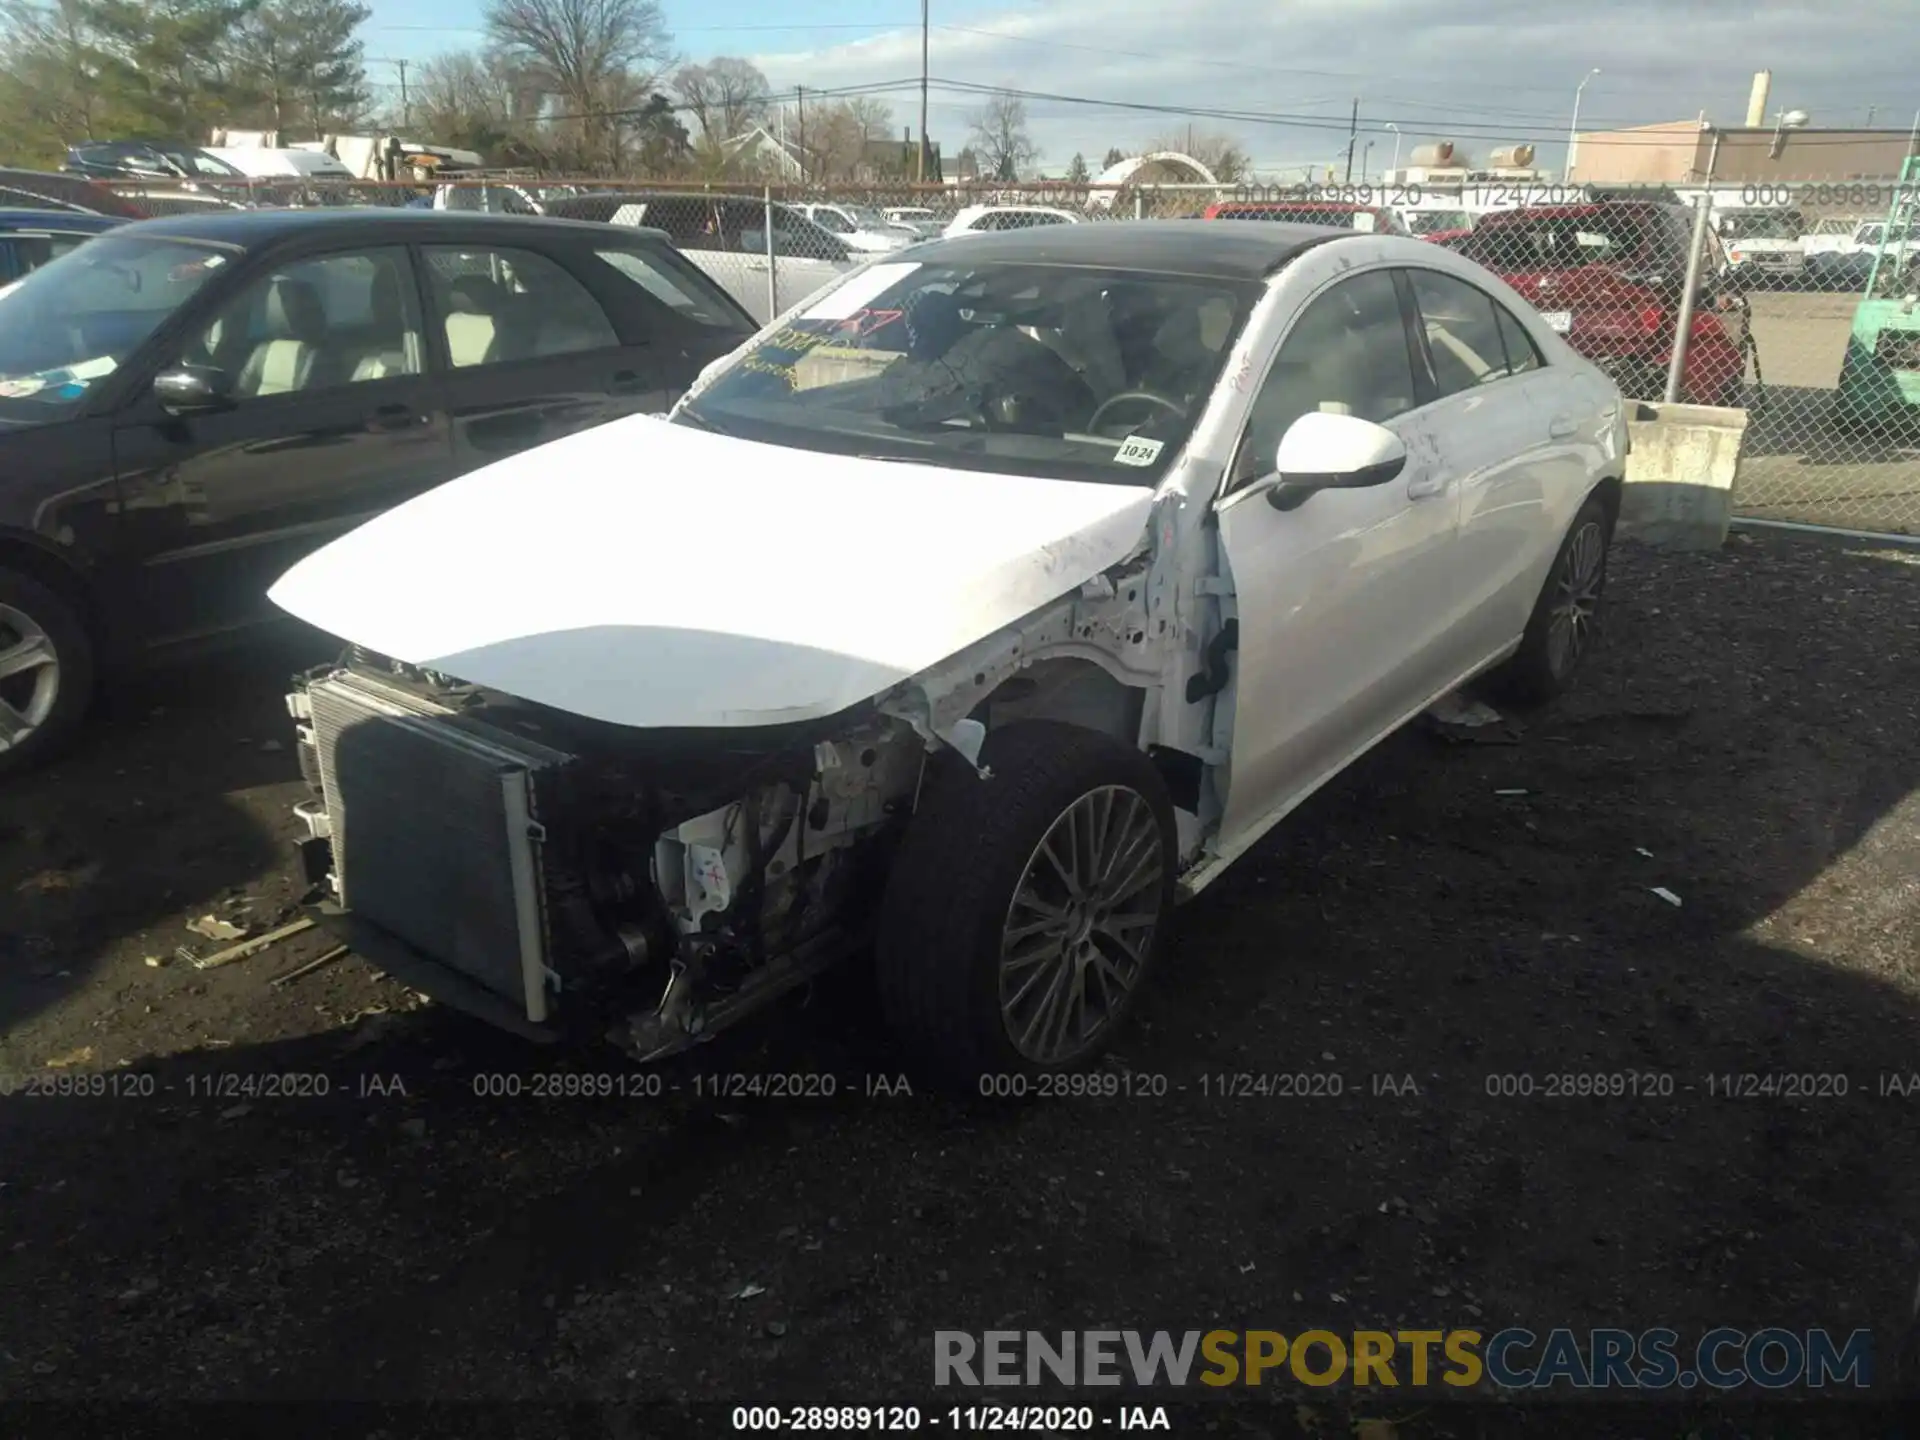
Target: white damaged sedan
966,618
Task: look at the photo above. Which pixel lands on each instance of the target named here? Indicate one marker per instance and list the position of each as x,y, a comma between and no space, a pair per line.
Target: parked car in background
1763,246
32,238
259,162
147,160
1846,262
1158,526
1437,225
917,219
1371,219
46,190
988,218
726,236
188,405
1610,278
861,228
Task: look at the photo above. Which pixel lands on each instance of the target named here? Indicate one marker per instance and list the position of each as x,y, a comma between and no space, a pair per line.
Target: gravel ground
1748,739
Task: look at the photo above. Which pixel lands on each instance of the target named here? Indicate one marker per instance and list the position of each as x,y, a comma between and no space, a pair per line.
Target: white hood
650,574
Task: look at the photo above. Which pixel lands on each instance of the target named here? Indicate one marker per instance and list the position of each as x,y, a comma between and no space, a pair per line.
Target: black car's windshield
71,323
1071,372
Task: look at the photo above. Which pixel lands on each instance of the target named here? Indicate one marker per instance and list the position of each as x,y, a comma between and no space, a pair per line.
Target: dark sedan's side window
499,305
313,324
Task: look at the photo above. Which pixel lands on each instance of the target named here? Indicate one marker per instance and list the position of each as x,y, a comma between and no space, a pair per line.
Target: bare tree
592,55
727,96
1000,138
832,136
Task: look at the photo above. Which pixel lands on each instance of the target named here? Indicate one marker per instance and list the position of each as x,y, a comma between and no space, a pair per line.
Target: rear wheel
1025,908
1566,617
46,672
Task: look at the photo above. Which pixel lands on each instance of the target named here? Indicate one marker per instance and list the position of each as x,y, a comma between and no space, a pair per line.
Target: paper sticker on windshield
21,388
861,291
1137,450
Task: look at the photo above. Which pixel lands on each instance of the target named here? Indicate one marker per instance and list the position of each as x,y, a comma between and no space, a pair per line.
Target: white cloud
1495,74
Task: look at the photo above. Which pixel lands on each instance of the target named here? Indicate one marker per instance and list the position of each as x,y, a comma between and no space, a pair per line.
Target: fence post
1139,203
773,263
1683,324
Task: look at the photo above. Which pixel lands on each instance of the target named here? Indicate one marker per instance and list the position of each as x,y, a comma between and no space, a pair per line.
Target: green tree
1077,170
1114,156
50,80
159,65
300,64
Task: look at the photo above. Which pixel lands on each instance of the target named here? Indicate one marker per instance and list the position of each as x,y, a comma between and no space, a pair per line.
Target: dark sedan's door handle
627,382
397,417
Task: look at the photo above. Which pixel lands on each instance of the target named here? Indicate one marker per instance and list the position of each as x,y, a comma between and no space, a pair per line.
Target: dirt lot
1749,739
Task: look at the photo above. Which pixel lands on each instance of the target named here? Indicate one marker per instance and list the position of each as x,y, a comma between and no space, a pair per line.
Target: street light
1396,146
1787,120
1365,154
1573,130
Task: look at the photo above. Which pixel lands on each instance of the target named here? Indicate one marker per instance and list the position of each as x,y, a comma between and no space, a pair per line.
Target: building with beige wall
1682,152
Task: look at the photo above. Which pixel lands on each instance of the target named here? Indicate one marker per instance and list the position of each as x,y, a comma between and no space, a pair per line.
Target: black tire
1540,670
952,890
61,623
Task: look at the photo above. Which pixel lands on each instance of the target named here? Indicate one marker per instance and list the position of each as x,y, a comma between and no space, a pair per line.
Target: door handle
626,382
1430,484
1563,427
397,417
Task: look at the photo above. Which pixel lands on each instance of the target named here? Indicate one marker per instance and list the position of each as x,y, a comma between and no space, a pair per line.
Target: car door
531,352
328,414
1343,604
1516,437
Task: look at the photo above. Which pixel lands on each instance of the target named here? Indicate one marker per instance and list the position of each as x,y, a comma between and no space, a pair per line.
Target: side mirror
1323,451
193,390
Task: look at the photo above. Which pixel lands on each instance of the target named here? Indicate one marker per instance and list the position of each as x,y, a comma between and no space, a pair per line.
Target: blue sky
1492,73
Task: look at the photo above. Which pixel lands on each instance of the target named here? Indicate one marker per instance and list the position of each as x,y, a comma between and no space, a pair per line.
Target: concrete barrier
1682,467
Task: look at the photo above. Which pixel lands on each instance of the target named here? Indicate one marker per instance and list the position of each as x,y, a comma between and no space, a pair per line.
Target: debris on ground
246,949
212,927
1468,722
747,1292
72,1057
1667,895
312,965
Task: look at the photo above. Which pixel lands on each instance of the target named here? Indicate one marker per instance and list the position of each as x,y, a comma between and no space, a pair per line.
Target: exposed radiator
435,830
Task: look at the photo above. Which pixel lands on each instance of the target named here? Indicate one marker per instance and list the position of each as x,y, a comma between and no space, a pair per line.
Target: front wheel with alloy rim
46,671
1566,616
1024,908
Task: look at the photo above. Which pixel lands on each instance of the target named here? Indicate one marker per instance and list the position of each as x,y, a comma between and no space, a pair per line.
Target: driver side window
1347,353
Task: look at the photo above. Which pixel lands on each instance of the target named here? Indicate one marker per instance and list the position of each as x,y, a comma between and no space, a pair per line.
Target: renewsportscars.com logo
1512,1359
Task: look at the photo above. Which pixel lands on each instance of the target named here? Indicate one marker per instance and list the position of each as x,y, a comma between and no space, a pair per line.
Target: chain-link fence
1795,300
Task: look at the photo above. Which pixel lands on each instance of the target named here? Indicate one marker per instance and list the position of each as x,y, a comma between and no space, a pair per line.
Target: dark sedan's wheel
1566,617
46,672
1024,909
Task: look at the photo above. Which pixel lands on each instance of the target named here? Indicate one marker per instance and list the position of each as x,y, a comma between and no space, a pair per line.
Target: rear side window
1472,338
684,291
1522,354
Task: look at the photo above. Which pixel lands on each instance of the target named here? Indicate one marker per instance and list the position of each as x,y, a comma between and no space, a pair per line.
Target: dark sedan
189,405
32,238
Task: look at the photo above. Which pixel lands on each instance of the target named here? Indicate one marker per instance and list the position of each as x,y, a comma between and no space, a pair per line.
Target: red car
1341,213
1609,277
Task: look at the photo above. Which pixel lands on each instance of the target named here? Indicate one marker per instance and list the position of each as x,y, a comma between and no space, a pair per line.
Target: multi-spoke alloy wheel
1025,906
1576,597
29,677
1081,924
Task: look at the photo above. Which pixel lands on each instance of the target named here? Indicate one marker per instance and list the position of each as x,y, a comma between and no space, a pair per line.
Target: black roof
251,229
12,219
1221,250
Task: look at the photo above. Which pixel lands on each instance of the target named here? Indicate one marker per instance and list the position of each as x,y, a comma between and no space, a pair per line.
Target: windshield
198,162
1432,222
73,322
1074,373
866,218
831,220
1836,225
1567,242
1762,225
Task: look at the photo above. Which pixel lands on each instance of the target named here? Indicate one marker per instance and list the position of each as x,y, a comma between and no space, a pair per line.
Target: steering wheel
1093,421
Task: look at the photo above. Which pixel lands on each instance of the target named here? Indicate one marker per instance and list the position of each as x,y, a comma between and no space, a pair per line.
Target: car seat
294,329
390,350
474,303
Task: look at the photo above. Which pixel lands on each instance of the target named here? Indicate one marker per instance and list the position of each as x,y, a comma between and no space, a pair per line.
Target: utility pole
1353,134
800,118
924,27
406,110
